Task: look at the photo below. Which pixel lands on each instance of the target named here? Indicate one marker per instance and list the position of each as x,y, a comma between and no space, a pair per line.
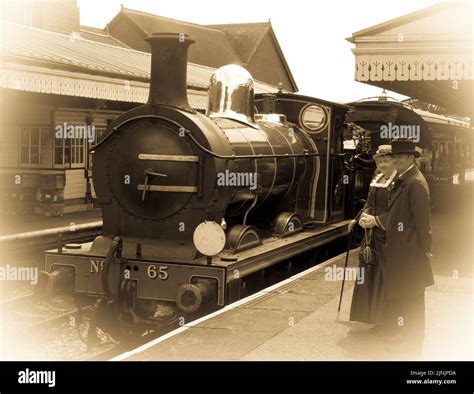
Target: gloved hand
367,221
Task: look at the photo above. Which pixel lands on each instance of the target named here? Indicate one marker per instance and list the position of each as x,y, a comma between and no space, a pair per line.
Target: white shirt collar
408,169
378,182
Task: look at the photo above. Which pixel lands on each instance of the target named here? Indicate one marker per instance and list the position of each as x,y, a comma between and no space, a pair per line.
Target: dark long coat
408,237
368,299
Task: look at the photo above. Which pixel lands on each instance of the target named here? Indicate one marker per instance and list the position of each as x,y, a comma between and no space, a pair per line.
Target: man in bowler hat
408,246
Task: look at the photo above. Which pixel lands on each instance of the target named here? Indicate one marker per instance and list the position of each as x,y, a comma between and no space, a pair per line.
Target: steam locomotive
199,207
195,206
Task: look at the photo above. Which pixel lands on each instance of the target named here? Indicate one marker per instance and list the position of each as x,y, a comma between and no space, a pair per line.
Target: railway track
125,346
26,250
28,244
56,328
47,329
52,329
52,321
27,311
18,299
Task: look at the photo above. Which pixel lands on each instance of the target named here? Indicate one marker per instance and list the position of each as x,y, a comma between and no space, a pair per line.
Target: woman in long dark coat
368,300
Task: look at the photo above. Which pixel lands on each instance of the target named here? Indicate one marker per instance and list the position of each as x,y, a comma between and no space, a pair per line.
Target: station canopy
425,55
41,61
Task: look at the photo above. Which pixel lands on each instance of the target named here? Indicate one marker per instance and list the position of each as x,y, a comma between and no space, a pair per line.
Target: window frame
41,144
74,146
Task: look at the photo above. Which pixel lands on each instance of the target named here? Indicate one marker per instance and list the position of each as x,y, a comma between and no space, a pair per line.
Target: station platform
17,224
297,319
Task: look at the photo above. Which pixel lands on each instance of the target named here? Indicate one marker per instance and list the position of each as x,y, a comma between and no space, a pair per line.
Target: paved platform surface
298,320
16,224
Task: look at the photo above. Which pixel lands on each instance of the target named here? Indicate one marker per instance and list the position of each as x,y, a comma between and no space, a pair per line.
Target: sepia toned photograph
196,185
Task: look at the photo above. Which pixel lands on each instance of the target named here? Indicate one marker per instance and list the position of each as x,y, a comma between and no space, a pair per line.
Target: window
32,139
467,154
69,152
459,154
442,155
426,160
77,151
62,151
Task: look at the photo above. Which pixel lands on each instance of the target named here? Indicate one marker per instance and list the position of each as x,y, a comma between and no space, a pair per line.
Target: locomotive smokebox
169,59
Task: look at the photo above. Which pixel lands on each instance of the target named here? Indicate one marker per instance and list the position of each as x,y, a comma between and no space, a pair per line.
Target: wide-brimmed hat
383,150
404,147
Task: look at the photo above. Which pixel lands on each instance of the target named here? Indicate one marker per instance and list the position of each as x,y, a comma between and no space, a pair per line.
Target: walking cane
349,244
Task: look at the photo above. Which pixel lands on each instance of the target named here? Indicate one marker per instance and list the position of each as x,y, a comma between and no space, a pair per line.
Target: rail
97,225
32,242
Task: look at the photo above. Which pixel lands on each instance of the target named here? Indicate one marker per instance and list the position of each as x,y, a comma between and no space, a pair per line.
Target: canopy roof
426,55
42,61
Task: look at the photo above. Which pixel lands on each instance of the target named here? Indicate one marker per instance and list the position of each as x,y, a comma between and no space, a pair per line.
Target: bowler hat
404,147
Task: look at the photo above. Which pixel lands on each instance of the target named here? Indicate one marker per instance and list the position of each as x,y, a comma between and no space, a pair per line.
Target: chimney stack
169,59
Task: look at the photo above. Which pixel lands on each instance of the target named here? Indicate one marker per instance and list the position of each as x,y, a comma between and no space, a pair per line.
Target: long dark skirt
369,300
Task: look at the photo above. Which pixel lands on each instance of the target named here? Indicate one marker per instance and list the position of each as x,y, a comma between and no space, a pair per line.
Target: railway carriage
445,143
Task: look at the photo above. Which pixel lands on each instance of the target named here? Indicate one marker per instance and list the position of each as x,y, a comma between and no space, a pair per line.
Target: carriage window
459,154
441,155
469,170
426,160
468,154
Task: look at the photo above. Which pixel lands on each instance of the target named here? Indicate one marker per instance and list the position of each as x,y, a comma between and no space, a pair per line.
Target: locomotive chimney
169,59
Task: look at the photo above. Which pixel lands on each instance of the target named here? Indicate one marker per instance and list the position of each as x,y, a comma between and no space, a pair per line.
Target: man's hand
367,221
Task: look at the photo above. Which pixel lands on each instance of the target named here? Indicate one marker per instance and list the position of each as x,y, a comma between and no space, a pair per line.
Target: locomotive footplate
176,281
154,280
275,250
